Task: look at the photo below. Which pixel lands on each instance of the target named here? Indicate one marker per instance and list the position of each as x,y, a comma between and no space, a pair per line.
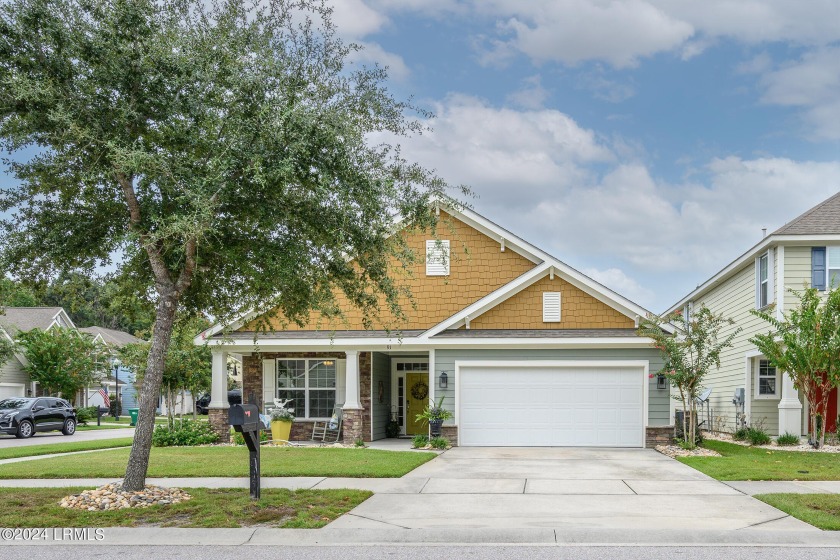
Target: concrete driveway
572,488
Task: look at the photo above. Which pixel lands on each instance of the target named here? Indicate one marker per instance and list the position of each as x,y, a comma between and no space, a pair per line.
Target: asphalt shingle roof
24,319
112,337
824,218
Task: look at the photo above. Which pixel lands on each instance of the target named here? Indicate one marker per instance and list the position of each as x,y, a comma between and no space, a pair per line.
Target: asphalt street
419,552
57,437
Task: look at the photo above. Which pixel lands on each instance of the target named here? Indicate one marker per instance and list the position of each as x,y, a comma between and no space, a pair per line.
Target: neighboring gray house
14,381
803,253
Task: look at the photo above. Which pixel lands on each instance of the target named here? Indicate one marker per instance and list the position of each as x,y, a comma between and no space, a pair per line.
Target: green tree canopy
14,294
689,354
805,344
216,153
62,361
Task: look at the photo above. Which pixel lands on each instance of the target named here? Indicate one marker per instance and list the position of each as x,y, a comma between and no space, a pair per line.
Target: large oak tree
215,153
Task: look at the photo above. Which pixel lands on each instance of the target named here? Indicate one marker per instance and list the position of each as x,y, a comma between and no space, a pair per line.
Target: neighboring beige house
803,253
14,381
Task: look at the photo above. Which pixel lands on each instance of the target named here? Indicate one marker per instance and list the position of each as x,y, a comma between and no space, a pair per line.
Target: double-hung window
310,384
825,267
767,383
764,280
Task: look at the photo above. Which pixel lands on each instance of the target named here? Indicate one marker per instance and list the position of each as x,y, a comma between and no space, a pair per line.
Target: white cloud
374,53
619,282
811,83
531,95
354,19
591,202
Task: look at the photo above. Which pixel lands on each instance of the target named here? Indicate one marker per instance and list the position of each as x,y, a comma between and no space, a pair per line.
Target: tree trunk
183,403
195,412
138,460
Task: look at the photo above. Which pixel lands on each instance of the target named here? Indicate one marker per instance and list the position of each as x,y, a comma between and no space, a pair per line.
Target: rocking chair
328,430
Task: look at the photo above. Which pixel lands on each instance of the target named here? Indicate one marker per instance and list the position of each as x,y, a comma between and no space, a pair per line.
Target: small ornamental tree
62,361
7,348
689,354
805,344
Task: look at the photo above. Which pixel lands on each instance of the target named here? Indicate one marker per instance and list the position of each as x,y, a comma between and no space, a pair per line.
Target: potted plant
281,422
434,414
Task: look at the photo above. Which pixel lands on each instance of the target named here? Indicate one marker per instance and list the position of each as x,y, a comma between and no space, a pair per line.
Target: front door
417,397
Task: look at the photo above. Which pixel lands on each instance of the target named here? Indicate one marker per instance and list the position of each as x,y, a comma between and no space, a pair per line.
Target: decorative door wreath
420,391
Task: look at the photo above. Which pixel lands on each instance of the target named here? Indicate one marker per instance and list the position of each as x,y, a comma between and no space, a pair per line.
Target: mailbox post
245,419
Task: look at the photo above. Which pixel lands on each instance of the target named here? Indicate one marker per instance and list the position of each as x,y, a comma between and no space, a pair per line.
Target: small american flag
105,399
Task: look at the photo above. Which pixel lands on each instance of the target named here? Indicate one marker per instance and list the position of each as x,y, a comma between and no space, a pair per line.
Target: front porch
371,387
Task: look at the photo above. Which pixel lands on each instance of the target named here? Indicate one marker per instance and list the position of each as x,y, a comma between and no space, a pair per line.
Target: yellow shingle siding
477,267
578,310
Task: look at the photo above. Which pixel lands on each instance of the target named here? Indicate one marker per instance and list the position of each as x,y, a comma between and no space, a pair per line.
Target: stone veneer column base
450,433
658,435
352,425
219,421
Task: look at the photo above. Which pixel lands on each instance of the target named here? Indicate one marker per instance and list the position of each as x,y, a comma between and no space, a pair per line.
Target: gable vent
437,258
551,307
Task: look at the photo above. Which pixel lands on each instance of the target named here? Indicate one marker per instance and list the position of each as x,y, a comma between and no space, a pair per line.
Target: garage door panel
551,406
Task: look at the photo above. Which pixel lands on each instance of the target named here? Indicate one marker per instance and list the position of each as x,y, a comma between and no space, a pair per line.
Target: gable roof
824,218
822,223
24,319
111,337
547,264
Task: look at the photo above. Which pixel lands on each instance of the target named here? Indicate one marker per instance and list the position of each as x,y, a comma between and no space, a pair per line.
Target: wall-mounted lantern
443,381
660,381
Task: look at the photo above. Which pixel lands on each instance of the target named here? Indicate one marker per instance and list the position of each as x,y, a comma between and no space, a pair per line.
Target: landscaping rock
112,496
677,451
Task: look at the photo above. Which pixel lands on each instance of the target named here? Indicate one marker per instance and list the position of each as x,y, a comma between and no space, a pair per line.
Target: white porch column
218,386
790,409
351,398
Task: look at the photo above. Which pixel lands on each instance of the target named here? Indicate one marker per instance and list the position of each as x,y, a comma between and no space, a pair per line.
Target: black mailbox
245,418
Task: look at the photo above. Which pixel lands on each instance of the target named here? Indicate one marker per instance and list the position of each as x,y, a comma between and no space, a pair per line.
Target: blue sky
644,142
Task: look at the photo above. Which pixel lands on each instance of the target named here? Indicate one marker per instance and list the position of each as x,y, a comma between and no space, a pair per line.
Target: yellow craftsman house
523,349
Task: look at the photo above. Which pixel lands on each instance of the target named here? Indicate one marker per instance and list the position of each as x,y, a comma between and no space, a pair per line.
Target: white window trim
757,386
771,291
306,388
437,257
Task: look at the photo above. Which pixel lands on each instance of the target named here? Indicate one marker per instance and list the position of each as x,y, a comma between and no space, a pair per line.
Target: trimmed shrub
86,414
116,407
420,440
184,433
757,436
239,439
788,439
741,434
439,442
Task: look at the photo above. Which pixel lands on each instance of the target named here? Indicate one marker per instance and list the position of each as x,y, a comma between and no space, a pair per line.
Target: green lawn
820,510
307,509
751,463
93,426
64,447
228,461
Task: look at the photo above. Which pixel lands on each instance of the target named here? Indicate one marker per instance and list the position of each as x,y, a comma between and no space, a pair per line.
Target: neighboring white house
803,253
14,381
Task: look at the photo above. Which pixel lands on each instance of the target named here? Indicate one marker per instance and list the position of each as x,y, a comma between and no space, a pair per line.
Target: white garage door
8,390
528,405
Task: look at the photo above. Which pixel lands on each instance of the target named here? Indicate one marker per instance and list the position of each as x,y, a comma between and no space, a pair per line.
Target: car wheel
69,427
25,429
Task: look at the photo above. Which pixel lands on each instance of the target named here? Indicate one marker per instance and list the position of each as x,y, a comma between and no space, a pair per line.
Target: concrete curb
420,537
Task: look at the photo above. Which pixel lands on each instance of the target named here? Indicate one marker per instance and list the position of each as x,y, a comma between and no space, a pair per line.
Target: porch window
311,384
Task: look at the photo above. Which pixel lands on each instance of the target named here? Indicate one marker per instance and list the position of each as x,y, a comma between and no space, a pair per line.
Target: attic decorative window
437,257
551,307
764,280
